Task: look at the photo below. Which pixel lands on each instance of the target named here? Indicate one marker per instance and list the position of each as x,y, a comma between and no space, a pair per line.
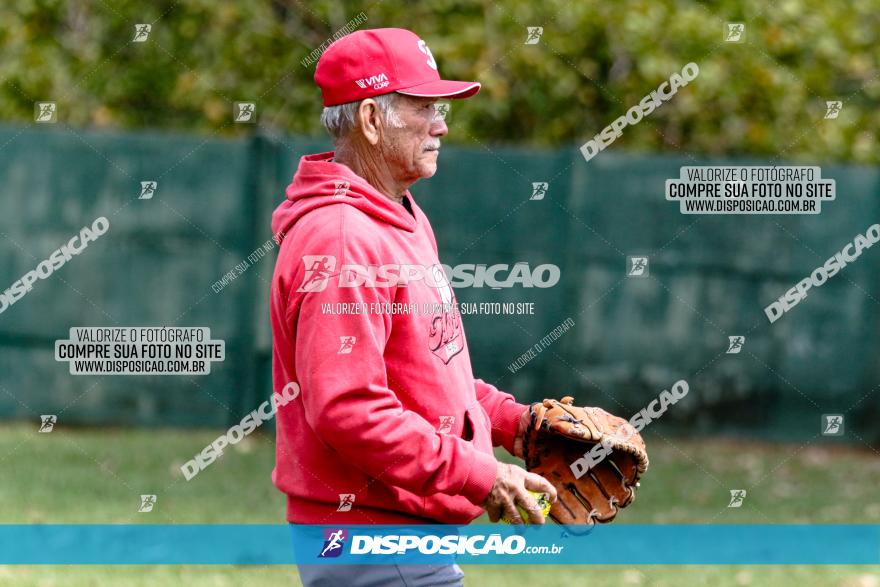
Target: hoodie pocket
467,429
480,428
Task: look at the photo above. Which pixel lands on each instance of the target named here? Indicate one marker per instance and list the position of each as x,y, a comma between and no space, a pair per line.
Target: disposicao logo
334,540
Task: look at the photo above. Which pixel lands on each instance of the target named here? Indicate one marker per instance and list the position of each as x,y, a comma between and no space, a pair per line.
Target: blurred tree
764,95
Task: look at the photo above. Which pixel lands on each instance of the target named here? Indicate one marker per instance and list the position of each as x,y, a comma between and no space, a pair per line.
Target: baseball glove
593,458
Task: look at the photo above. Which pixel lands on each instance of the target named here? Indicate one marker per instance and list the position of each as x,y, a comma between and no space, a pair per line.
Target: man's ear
369,120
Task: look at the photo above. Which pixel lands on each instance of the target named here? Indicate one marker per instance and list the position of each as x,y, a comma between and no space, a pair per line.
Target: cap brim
442,89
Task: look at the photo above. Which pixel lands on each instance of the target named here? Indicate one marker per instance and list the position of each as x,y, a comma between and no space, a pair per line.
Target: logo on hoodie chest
445,337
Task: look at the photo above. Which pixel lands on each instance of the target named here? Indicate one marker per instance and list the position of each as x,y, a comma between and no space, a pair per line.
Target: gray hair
339,120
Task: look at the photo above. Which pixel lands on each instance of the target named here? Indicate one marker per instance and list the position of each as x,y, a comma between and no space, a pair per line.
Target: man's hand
510,488
520,433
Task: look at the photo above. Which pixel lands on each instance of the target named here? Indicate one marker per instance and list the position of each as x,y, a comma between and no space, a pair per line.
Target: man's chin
427,170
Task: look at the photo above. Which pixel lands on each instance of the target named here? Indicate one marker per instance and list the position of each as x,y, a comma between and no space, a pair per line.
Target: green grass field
96,476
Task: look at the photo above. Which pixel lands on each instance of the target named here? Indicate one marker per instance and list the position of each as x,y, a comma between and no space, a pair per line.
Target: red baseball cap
371,62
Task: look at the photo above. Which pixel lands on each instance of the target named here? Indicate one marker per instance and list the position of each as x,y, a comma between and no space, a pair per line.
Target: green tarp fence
710,278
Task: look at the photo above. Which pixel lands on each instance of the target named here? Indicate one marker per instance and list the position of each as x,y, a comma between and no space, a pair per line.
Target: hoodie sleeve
504,413
351,405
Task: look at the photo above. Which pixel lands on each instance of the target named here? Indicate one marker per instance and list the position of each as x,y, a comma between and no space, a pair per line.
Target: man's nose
438,127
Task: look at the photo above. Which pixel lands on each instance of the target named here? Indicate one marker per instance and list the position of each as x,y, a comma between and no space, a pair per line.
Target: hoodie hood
321,182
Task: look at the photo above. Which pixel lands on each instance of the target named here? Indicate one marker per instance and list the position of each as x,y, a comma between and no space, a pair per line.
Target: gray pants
449,575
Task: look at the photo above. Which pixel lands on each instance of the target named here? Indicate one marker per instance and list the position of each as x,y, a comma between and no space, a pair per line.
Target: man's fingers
512,513
535,482
536,516
494,512
513,485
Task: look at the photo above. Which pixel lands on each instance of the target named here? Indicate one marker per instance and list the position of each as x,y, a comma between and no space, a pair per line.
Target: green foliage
764,96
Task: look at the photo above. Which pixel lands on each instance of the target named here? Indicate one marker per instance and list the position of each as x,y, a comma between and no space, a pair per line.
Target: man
390,426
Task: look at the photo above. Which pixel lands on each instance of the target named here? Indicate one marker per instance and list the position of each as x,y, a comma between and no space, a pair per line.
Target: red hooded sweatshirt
390,426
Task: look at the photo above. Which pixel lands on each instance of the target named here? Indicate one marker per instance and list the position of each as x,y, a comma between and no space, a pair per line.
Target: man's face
412,151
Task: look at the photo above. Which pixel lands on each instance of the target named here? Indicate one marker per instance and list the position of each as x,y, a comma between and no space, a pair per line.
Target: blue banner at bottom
551,544
473,544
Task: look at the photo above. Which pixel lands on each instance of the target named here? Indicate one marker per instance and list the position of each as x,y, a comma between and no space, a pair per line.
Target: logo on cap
377,82
423,47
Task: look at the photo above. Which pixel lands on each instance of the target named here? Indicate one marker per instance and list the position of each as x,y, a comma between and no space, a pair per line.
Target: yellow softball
543,502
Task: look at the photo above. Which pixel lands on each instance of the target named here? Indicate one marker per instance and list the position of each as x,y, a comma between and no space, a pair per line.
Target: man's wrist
506,424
